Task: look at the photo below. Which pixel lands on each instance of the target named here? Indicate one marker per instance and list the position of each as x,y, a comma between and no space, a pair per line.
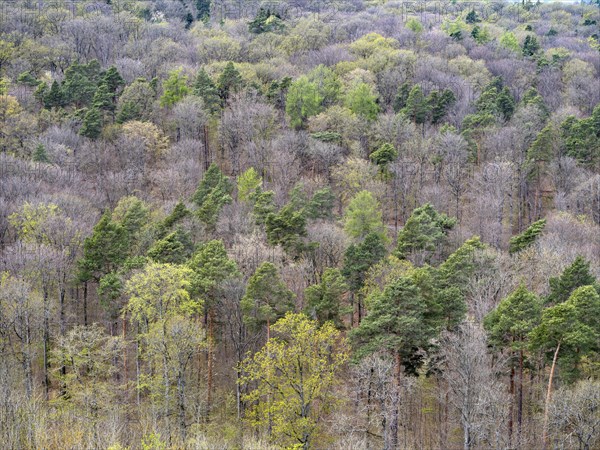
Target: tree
265,21
40,154
362,102
509,326
174,88
423,232
574,276
384,155
212,269
248,183
572,327
509,40
472,17
530,46
54,98
174,248
303,101
324,299
527,237
439,103
88,355
135,103
205,88
214,192
286,228
161,306
229,82
417,108
395,325
92,124
472,377
363,216
295,375
267,298
575,411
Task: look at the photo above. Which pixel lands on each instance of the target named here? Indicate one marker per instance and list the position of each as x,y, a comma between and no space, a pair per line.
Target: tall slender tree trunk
46,344
209,365
512,402
85,296
548,397
520,399
394,423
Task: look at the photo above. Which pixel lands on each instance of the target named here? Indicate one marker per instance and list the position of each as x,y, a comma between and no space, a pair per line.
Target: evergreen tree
92,124
54,97
574,276
229,82
530,46
40,154
472,17
324,299
439,103
174,248
360,257
267,298
286,228
384,155
247,184
423,232
527,237
178,213
321,204
416,108
214,192
401,96
203,9
205,88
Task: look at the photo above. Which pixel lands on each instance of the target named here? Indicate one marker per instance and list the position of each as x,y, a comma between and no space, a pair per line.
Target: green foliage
303,101
54,98
358,258
363,216
212,266
362,101
423,232
267,297
266,21
384,155
205,88
292,381
229,82
247,184
214,192
581,139
574,276
178,213
264,205
509,40
174,88
527,237
439,103
395,322
135,103
80,83
327,83
401,96
321,204
324,299
174,248
286,228
40,154
105,250
515,317
417,107
472,17
530,46
414,25
92,124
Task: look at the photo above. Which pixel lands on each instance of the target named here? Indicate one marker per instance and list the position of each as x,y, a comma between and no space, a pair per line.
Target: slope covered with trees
317,225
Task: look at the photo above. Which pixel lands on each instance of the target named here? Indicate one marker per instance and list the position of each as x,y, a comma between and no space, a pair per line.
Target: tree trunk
209,365
512,402
394,423
85,294
548,397
520,398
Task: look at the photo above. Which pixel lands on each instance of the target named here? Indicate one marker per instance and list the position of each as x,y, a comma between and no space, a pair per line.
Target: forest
299,224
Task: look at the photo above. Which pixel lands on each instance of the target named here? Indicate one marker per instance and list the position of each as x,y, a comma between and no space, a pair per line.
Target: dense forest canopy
321,224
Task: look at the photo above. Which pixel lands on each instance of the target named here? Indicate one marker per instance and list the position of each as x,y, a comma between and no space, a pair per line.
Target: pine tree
401,96
205,88
324,299
214,192
54,98
527,237
229,82
574,276
530,46
267,298
40,154
416,108
423,232
92,124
